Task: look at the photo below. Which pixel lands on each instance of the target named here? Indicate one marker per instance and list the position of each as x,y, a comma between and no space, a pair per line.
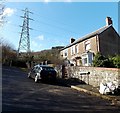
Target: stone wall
96,76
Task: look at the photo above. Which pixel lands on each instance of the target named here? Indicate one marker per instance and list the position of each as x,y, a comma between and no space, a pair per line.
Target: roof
97,32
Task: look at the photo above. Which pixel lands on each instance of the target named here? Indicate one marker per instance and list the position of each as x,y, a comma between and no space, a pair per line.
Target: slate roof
97,32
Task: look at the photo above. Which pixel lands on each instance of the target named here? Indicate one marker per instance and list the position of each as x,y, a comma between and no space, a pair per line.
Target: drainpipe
97,44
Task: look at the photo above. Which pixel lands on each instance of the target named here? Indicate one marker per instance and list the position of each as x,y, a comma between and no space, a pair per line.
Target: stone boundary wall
96,76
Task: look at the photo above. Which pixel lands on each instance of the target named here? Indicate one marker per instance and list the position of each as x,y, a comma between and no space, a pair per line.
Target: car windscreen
48,68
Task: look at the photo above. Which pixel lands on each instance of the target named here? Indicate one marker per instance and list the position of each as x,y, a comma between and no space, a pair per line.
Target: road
21,94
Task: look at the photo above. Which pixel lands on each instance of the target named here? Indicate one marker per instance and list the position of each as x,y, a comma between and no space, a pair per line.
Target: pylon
24,43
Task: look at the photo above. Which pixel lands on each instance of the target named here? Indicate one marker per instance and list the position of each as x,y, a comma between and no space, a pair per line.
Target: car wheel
36,79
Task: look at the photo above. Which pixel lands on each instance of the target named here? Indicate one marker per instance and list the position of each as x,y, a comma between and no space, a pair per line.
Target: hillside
50,55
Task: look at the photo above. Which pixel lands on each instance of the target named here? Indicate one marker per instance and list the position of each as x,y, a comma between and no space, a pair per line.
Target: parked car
43,72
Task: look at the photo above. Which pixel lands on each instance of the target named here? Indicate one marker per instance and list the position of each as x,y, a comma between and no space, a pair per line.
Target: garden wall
96,76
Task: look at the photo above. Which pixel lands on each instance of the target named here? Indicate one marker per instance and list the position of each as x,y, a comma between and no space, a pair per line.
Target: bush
101,61
19,63
110,62
116,61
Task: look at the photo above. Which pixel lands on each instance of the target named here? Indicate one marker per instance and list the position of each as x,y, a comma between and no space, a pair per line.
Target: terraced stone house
104,40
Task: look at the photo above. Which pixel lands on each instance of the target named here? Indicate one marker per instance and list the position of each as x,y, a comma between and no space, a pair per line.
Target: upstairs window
66,53
76,48
73,50
87,45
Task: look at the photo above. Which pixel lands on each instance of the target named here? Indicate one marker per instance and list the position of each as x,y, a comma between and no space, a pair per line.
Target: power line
53,20
62,28
56,26
50,33
34,30
50,25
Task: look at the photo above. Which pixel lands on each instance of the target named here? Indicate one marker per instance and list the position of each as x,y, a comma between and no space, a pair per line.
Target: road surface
21,94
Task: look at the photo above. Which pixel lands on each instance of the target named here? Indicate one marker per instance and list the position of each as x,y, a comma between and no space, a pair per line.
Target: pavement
81,86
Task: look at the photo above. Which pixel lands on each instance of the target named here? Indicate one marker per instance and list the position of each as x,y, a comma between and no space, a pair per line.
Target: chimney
72,40
108,21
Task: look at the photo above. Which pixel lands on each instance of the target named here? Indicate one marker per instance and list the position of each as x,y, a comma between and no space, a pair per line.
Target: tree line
52,56
10,56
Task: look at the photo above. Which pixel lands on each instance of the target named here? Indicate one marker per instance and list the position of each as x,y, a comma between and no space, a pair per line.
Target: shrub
116,61
19,63
110,62
100,61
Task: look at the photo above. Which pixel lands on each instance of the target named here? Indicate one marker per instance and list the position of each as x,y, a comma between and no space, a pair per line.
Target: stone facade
96,76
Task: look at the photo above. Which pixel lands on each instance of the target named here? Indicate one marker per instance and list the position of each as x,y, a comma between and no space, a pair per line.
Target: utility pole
24,43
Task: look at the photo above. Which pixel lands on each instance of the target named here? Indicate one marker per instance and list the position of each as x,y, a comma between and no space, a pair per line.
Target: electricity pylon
24,43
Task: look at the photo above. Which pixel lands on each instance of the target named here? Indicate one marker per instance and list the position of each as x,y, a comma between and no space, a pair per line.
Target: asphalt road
21,94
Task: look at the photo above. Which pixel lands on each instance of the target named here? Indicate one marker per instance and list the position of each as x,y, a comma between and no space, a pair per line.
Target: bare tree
8,53
2,21
2,16
1,40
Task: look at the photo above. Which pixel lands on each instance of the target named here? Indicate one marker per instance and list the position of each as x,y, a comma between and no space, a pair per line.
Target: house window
87,45
85,61
65,52
76,48
72,50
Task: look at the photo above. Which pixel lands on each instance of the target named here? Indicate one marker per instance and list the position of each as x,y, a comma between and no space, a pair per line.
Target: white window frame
83,60
89,57
65,53
72,50
77,48
87,45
